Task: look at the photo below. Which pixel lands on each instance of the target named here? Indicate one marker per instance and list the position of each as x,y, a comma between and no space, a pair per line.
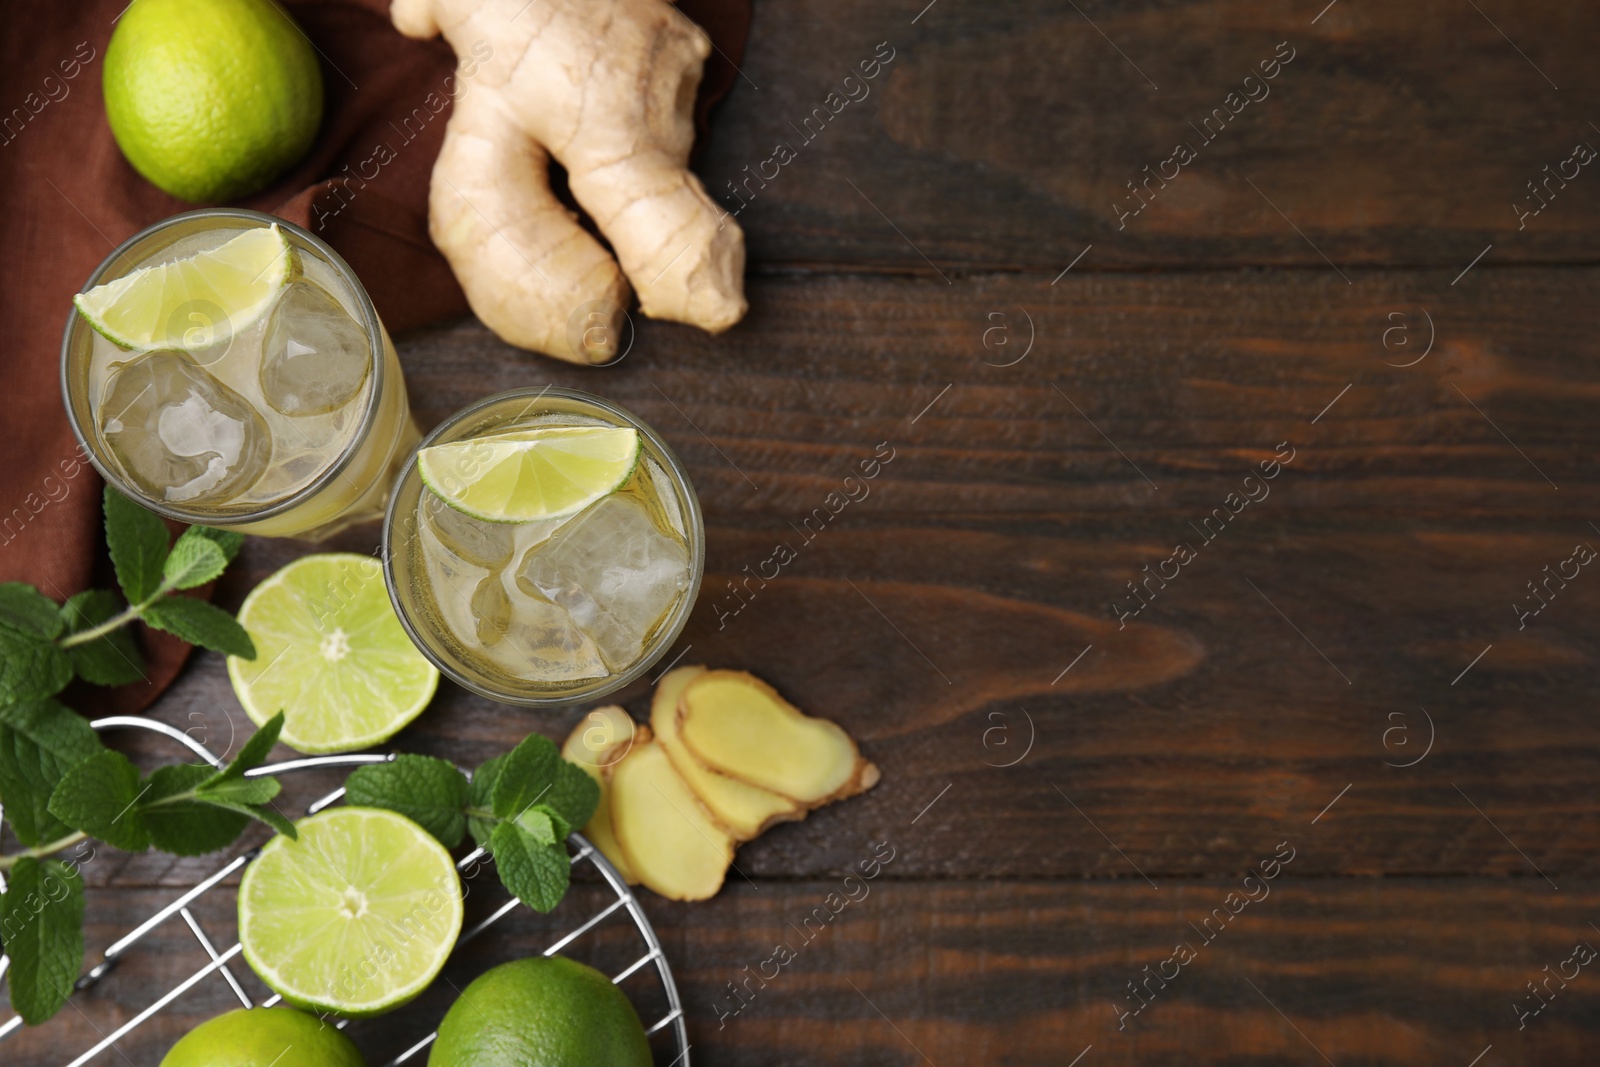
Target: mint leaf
559,827
260,812
195,560
99,796
111,659
39,743
239,790
31,666
274,818
537,824
573,795
255,751
534,773
187,827
526,777
200,623
26,610
481,796
428,791
536,873
173,780
226,540
41,920
138,542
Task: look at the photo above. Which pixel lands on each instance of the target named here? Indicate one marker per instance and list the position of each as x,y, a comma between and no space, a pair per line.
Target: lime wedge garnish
356,917
331,655
528,475
196,302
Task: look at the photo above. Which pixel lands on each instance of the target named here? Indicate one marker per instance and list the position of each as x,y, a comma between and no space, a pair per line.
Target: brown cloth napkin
67,198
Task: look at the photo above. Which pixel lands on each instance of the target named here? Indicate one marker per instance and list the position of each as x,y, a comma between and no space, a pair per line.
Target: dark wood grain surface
1070,788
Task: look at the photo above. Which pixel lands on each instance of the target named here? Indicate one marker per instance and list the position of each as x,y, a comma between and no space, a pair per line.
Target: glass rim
369,417
694,524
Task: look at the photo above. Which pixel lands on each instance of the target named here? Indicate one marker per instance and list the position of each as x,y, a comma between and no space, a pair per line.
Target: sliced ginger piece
597,744
744,809
737,725
670,840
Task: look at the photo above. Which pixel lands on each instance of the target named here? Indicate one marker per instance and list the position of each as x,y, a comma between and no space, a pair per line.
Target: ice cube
314,356
482,543
467,563
453,579
542,642
179,434
613,571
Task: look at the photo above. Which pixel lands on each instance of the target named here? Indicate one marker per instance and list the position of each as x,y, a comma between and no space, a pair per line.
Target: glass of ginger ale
543,547
225,367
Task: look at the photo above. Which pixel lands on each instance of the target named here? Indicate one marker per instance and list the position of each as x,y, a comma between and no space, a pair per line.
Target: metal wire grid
220,959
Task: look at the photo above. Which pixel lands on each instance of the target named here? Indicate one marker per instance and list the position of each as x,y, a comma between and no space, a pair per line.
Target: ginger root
597,744
743,808
667,837
607,88
737,725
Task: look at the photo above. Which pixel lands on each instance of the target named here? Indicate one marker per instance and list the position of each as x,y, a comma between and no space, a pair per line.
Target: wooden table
1336,671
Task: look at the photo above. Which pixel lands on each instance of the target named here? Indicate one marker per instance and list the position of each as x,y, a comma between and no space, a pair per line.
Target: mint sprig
520,807
42,646
189,812
61,785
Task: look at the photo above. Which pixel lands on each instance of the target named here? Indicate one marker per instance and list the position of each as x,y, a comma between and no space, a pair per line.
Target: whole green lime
541,1012
264,1037
211,99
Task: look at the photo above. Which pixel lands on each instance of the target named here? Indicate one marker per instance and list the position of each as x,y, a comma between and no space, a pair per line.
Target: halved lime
196,302
356,917
526,475
331,655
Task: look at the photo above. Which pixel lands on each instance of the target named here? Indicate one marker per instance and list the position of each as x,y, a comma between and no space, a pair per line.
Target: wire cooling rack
672,1021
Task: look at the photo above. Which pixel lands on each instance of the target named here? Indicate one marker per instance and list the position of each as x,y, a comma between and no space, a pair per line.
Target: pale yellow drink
549,612
293,424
